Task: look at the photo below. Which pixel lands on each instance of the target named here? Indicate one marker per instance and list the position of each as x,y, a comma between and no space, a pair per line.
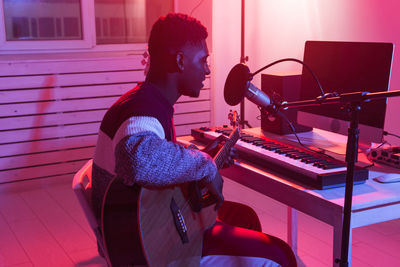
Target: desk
373,202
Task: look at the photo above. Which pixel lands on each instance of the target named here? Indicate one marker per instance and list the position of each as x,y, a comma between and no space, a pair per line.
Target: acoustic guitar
165,225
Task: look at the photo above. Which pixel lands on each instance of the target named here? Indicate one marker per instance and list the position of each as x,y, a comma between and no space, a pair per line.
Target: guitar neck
223,154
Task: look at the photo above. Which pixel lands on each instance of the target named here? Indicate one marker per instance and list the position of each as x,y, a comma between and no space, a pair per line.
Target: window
65,24
127,21
42,20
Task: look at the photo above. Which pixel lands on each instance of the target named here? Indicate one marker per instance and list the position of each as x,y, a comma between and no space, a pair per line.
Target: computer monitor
345,67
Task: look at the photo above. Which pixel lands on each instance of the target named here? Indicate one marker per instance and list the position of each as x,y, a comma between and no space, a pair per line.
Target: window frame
88,43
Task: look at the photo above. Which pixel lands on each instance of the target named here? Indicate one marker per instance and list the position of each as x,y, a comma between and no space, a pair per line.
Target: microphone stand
353,102
243,60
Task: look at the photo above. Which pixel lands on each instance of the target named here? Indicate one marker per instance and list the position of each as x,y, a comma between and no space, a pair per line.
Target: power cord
300,62
384,142
297,137
392,134
191,12
308,148
283,115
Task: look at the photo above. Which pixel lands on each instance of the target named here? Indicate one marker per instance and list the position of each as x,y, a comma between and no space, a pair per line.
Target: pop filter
236,84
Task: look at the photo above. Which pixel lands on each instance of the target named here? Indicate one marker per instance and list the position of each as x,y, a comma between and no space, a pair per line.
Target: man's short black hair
173,31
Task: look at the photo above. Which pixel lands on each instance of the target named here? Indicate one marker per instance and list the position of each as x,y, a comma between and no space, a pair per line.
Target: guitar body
161,241
138,226
159,227
119,224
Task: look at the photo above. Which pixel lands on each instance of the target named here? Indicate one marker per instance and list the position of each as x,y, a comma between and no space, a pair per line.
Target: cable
381,144
297,137
368,166
191,12
294,132
298,61
387,133
319,98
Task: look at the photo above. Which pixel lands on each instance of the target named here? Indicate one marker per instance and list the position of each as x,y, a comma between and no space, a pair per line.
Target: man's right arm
146,159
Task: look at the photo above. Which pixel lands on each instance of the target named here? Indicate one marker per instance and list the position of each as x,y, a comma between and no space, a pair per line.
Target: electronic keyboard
310,168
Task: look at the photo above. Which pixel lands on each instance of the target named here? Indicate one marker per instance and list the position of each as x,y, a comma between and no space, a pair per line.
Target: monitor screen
345,67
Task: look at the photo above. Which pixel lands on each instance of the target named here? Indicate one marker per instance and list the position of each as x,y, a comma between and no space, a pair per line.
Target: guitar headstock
234,119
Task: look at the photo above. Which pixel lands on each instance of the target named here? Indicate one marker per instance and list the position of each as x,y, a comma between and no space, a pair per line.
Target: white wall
278,29
199,10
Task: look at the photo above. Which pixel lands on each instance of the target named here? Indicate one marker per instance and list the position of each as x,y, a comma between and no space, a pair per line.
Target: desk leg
292,228
337,241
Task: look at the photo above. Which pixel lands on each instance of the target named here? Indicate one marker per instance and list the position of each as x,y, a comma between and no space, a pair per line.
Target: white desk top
367,195
364,195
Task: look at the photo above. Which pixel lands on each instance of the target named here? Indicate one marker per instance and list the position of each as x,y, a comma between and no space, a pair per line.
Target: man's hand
214,187
215,145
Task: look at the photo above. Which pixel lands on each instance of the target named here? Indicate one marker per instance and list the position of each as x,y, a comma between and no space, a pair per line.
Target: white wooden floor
41,224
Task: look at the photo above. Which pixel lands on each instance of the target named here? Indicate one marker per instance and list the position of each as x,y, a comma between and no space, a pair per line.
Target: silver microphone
238,86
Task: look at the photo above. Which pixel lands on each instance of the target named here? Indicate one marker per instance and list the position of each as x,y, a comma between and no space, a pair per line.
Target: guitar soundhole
179,221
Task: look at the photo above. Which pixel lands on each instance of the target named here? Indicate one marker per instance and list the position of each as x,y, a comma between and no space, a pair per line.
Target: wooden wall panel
67,92
51,109
45,158
59,80
62,131
53,119
38,172
47,145
21,65
45,107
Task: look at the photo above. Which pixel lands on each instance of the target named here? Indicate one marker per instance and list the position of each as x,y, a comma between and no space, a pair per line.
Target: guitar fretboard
223,154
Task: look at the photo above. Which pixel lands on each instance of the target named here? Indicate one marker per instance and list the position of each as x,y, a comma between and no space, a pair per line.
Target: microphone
238,86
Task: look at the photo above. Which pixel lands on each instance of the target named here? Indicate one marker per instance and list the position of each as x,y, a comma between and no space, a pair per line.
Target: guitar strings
219,160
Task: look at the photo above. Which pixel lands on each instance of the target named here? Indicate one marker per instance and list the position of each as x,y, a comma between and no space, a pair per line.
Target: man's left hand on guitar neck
214,146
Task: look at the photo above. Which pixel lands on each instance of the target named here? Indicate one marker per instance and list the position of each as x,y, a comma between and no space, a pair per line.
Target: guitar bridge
179,221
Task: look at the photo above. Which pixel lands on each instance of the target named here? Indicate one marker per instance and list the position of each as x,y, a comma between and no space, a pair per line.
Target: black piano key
295,151
302,155
272,147
254,139
264,142
333,166
312,160
243,135
307,158
259,142
293,154
275,146
291,151
289,154
283,150
268,147
250,139
321,164
328,165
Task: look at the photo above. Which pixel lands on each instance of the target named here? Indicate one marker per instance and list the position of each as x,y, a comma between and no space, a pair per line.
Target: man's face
195,69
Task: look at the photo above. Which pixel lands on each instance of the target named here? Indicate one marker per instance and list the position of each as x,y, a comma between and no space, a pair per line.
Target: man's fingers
234,153
219,202
213,144
215,188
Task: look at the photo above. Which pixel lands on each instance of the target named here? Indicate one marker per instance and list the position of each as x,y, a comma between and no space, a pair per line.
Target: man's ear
179,61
